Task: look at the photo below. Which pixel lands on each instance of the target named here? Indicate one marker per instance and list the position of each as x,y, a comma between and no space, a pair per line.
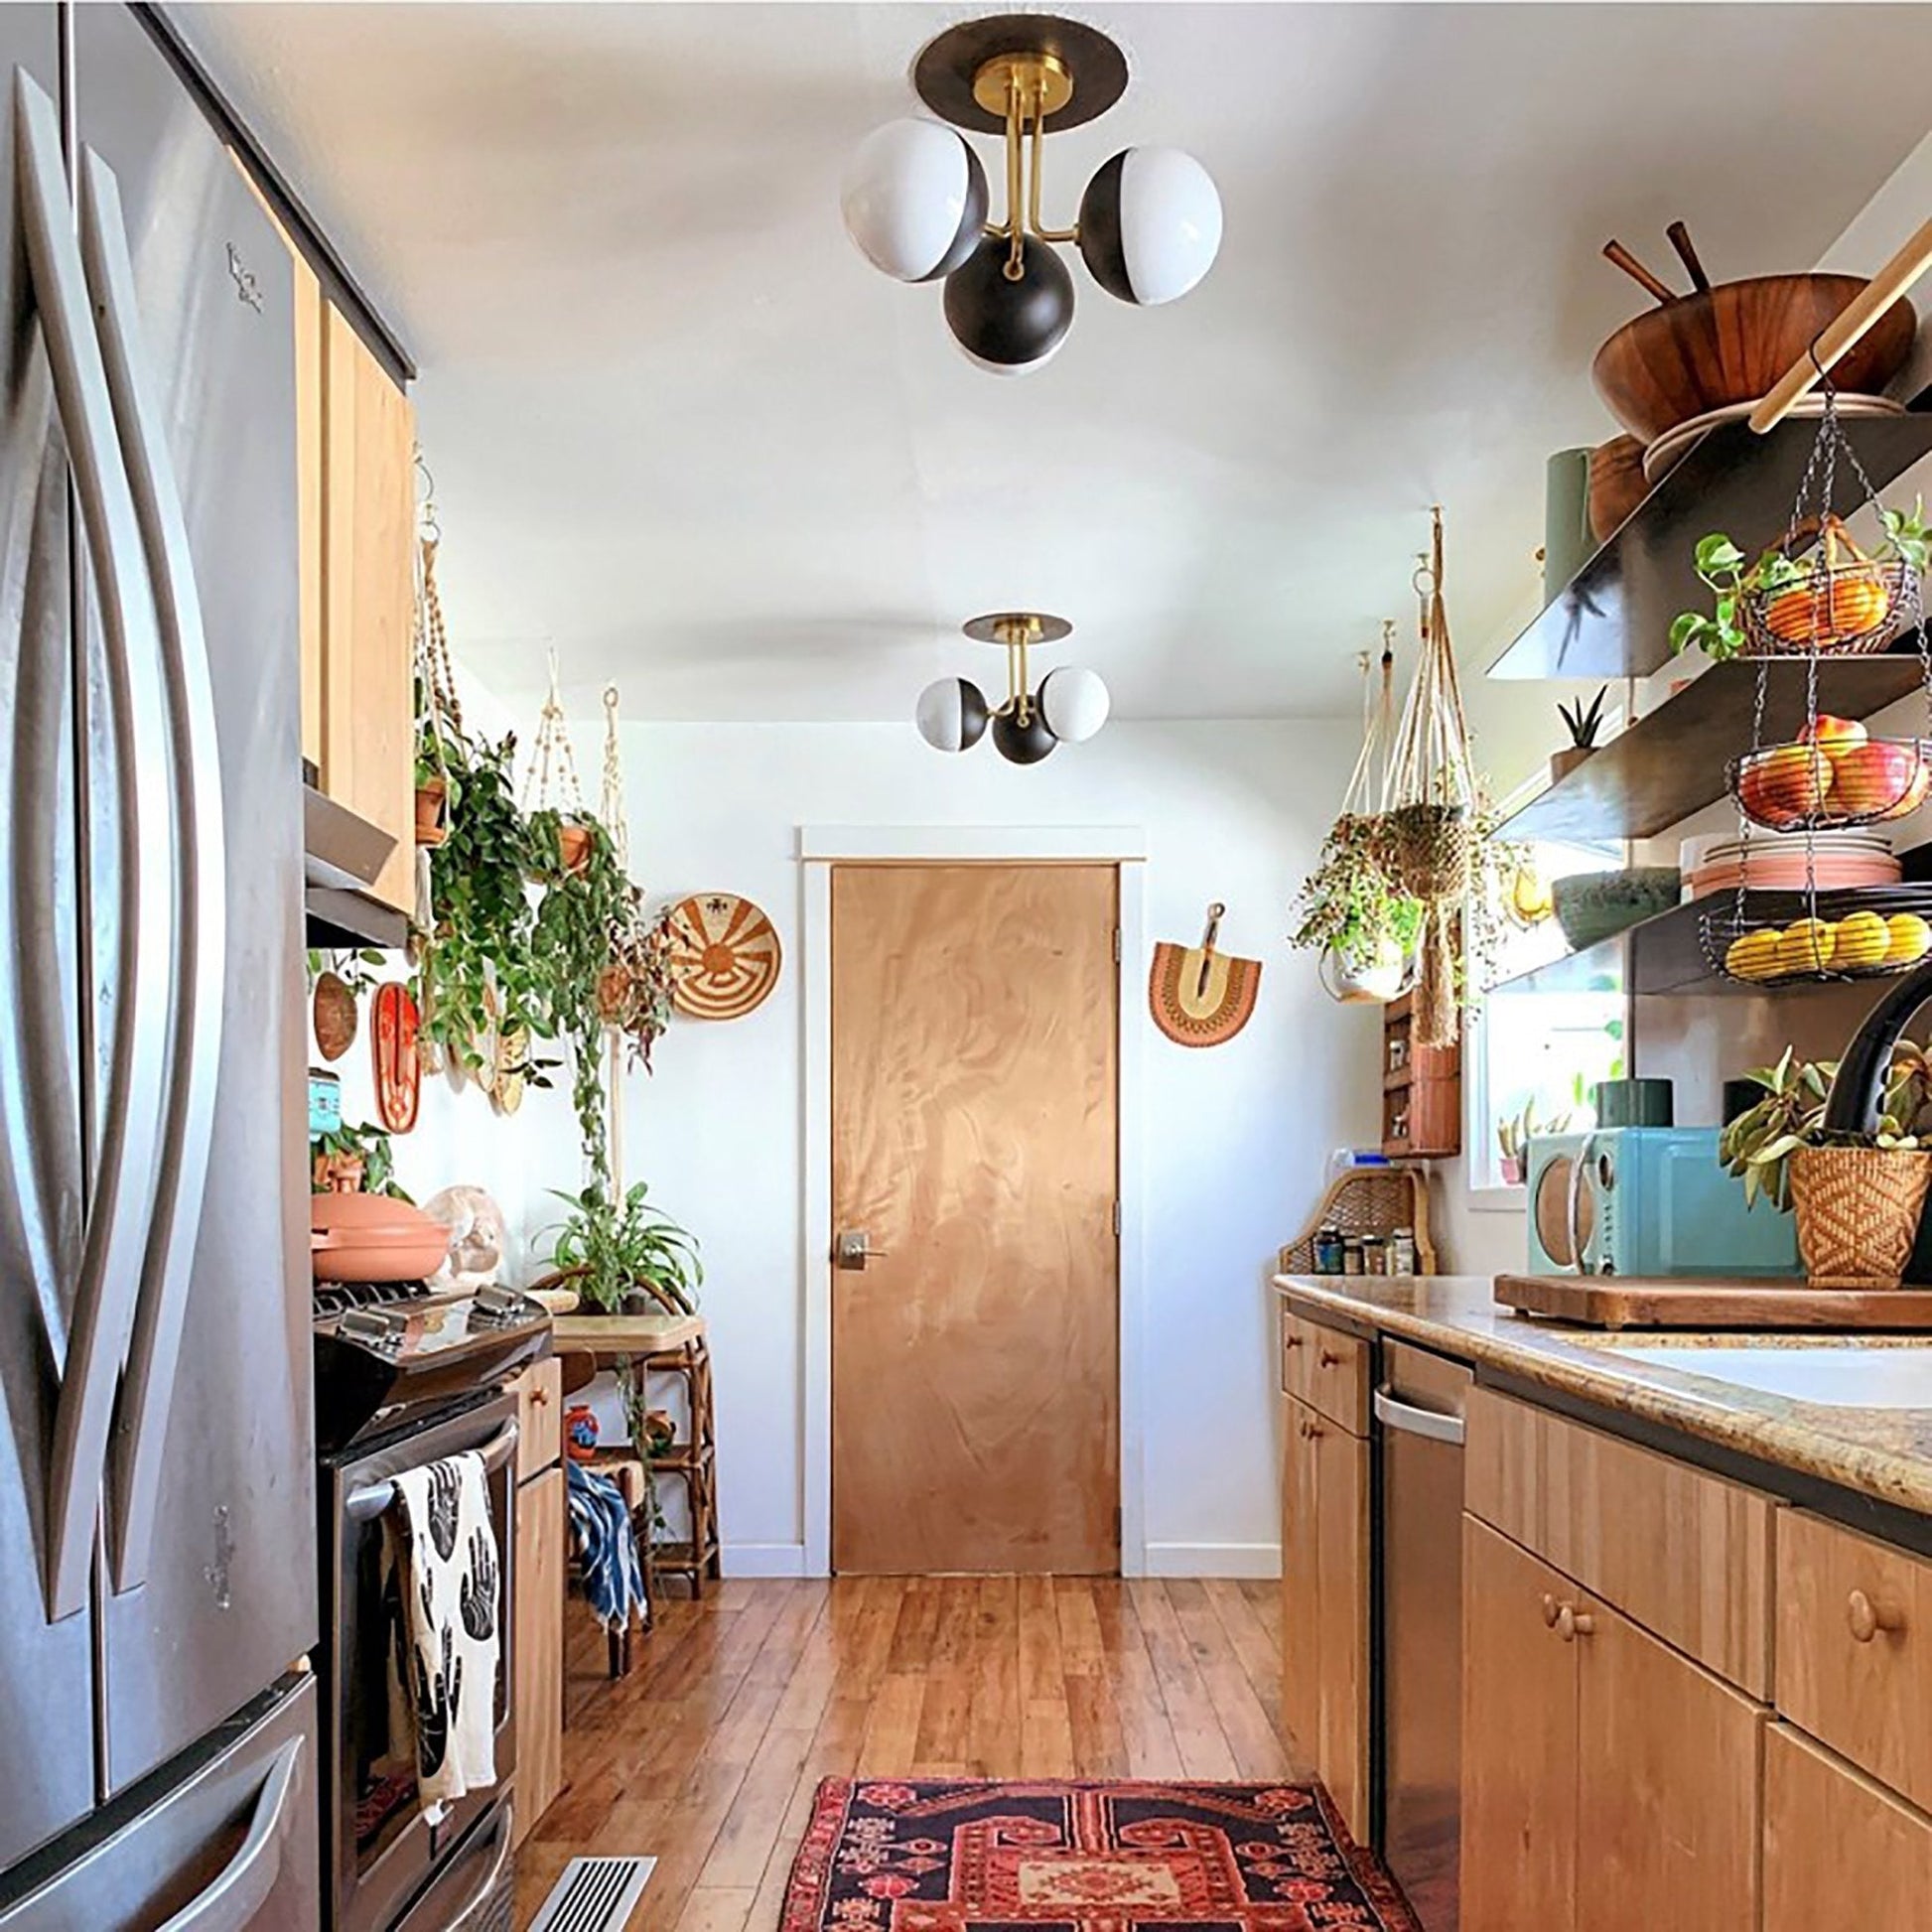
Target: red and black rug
972,1855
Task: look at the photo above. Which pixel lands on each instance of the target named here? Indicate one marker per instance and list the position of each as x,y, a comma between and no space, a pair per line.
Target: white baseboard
1213,1560
765,1558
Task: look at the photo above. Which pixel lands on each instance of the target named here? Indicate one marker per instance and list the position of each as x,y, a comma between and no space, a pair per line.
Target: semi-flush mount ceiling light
916,198
1069,706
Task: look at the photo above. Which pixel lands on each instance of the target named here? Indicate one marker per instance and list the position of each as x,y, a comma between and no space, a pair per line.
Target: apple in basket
1833,736
1876,779
1785,784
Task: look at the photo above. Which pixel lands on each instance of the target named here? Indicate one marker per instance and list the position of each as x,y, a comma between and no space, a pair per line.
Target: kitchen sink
1852,1377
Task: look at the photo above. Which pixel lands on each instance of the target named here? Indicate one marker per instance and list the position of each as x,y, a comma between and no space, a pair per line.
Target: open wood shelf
1671,763
1612,619
1665,954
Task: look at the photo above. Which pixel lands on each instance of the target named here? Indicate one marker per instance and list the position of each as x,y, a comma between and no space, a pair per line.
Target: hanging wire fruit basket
1834,782
1840,600
1774,939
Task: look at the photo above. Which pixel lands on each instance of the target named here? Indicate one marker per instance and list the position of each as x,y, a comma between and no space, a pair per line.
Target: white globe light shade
1150,225
1074,702
952,714
914,199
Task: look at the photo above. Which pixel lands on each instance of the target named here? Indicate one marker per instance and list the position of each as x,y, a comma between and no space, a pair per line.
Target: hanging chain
440,709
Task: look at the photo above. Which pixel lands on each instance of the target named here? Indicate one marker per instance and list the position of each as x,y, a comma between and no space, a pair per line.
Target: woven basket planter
1857,1212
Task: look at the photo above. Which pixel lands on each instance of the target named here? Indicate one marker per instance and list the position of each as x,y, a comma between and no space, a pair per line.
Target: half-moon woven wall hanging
725,956
1201,996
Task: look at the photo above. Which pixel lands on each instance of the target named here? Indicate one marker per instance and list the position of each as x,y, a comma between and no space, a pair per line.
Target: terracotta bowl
1730,344
376,1256
329,1212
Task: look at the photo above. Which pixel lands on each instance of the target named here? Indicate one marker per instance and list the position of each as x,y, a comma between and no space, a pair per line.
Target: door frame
819,849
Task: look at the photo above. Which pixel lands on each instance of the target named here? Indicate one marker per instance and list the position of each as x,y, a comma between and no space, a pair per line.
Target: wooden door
1301,1604
1667,1827
1839,1848
1341,1569
1519,1742
975,1363
368,535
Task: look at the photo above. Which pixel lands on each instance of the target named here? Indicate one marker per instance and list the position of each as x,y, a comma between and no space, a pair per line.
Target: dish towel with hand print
444,1546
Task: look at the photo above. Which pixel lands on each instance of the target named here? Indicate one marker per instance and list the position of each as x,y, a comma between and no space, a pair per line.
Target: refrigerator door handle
243,1886
201,860
118,1209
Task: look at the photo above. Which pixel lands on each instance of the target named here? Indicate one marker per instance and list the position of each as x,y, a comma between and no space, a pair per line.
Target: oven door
380,1847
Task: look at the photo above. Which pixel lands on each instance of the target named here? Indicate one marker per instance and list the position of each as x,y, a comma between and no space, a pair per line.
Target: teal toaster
1648,1201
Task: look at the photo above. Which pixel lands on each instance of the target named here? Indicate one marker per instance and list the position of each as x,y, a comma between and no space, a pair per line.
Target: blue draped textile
606,1545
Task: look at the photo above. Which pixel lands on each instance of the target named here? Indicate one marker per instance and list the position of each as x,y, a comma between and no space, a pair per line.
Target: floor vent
594,1895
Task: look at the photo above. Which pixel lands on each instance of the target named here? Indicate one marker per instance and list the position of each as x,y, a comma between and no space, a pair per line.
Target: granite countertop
1884,1450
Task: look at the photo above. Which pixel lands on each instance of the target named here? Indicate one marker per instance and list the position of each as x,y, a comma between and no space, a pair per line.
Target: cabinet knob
1867,1618
1573,1623
1325,1359
1549,1611
1291,1341
1310,1431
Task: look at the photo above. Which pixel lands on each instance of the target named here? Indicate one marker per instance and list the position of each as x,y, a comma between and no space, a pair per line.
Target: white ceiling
683,433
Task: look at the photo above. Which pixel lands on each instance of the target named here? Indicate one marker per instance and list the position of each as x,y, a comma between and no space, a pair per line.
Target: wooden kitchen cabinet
1325,1604
365,548
1519,1739
1839,1848
1607,1782
541,1531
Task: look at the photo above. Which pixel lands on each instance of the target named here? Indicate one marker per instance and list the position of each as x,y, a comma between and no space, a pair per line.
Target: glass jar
1401,1252
1327,1251
1351,1254
1375,1255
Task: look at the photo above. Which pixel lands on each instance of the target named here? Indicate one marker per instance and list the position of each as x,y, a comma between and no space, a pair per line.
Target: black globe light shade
1150,225
1024,743
1010,327
952,714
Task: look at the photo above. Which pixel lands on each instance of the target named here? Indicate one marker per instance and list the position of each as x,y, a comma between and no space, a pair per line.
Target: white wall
1234,1139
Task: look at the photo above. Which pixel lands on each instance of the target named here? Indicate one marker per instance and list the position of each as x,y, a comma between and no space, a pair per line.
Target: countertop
1879,1452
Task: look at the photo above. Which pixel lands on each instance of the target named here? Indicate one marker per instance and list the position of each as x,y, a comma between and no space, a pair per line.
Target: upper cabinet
364,600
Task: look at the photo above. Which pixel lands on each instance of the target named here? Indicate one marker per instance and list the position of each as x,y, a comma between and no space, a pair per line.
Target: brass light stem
1015,266
1040,232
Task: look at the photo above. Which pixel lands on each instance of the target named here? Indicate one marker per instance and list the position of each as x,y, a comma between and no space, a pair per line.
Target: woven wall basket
1857,1212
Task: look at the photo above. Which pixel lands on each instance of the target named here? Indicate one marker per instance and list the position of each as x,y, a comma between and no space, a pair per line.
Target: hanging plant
1433,801
476,977
579,907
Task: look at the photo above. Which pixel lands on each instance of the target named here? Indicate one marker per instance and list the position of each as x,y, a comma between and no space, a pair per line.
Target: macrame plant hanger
1430,805
552,770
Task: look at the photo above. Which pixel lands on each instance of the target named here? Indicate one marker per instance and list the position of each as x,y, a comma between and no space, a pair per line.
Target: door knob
854,1249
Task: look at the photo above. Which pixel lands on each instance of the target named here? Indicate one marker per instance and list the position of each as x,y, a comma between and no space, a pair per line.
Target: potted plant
1584,723
1841,599
625,1248
634,991
434,798
353,1160
1857,1191
1513,1137
1350,911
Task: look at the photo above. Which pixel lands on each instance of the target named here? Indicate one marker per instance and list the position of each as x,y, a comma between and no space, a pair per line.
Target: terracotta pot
574,847
1857,1212
373,1238
432,812
337,1173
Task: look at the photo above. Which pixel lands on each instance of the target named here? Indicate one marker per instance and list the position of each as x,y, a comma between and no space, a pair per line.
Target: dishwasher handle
1405,1416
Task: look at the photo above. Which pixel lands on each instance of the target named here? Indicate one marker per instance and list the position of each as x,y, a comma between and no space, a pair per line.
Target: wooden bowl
1616,483
1730,344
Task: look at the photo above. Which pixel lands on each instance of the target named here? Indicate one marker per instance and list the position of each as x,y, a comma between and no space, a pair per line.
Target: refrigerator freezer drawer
231,1847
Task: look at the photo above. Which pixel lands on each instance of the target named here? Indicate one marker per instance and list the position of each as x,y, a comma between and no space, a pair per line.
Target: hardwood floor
708,1754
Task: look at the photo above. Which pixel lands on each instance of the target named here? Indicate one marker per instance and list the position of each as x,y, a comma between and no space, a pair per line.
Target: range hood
341,854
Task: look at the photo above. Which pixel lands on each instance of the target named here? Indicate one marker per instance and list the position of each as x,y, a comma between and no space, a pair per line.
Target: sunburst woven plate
725,956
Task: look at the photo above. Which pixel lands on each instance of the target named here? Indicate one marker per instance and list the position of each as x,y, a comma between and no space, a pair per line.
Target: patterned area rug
883,1855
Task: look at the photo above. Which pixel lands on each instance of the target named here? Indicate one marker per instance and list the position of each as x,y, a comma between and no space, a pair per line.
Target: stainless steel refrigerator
157,1517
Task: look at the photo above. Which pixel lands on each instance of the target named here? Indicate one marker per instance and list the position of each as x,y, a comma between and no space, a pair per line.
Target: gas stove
391,1355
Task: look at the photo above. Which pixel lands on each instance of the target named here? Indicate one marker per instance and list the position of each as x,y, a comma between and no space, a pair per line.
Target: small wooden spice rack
1422,1091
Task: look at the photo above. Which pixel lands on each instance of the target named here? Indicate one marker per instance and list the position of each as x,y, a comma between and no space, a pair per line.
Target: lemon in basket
1754,955
1911,938
1805,946
1861,939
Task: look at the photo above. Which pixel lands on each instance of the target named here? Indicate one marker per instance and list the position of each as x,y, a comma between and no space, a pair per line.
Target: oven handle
505,1843
1405,1416
374,1497
243,1886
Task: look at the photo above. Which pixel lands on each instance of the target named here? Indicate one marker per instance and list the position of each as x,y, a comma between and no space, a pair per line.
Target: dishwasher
1419,1404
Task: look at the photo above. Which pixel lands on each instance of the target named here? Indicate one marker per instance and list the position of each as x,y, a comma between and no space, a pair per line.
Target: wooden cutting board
1634,1301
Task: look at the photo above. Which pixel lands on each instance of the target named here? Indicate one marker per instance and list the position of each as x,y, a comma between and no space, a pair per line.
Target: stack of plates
1768,862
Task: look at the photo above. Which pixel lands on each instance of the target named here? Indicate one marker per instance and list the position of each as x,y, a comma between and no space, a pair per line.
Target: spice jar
1401,1252
1375,1255
1351,1254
